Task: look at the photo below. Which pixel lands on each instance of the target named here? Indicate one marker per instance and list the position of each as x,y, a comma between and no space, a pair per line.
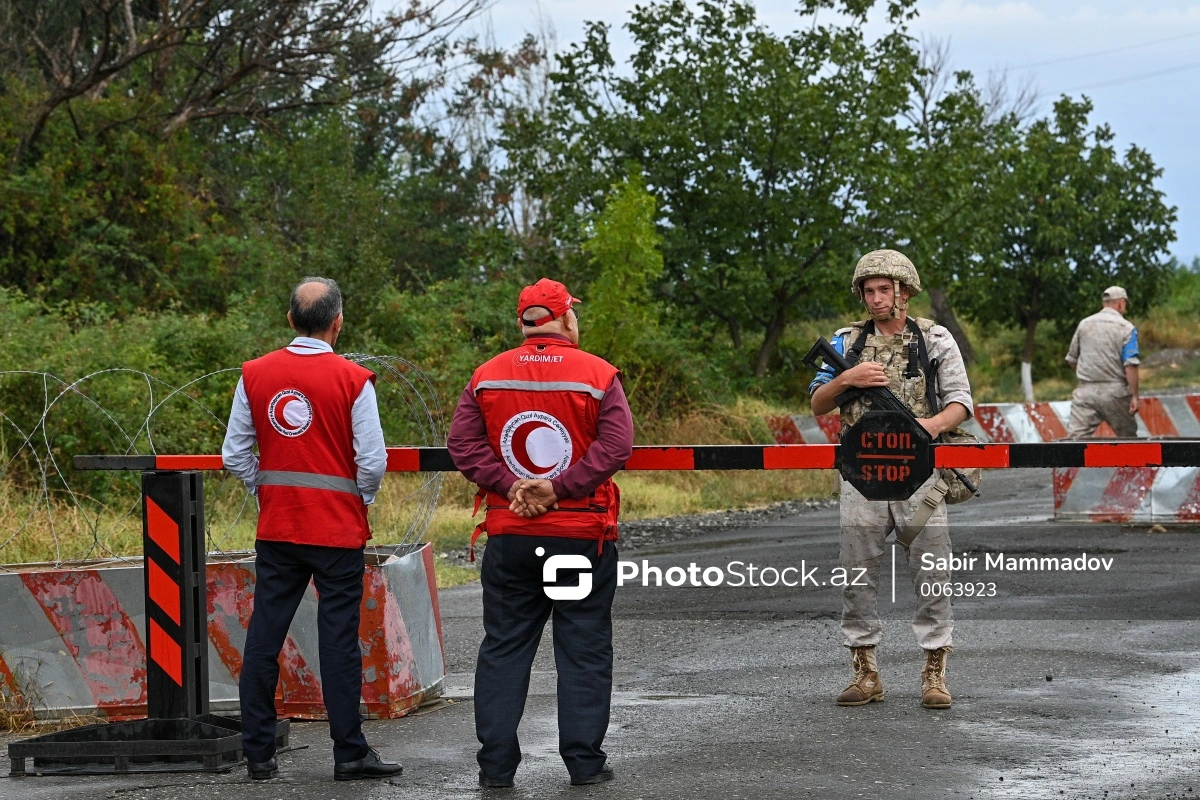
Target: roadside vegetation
170,171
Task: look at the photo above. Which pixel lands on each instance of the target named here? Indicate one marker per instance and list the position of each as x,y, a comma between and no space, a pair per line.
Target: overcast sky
1138,60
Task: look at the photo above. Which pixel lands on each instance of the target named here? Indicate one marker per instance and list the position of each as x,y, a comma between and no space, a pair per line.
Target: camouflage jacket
892,352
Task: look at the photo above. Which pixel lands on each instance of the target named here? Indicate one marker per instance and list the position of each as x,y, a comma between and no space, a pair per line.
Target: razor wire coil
67,517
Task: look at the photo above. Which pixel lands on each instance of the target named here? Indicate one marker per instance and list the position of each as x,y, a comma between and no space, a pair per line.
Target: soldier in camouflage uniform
884,280
1104,353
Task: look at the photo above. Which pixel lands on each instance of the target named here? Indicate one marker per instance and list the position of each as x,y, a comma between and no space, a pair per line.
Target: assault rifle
881,397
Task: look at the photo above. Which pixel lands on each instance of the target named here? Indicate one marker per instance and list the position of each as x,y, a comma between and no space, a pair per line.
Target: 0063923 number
952,589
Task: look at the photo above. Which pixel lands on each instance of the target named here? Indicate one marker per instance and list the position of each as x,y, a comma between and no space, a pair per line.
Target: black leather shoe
263,770
494,783
605,774
369,766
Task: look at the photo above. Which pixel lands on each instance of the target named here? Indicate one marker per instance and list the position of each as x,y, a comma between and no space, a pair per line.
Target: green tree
624,244
174,154
366,214
766,153
185,60
943,203
110,214
623,321
1075,217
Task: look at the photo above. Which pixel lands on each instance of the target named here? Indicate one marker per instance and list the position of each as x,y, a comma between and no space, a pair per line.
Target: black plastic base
206,744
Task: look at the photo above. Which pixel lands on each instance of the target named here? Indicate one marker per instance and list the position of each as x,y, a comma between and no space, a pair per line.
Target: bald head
316,306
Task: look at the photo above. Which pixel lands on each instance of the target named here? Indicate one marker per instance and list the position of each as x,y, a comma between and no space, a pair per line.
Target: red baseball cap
548,294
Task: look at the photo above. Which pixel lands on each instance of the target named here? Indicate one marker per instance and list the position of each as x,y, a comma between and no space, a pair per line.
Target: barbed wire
55,515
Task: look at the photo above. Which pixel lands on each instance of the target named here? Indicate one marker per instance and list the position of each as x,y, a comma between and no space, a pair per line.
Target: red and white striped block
1132,494
1127,494
1010,423
71,640
1161,416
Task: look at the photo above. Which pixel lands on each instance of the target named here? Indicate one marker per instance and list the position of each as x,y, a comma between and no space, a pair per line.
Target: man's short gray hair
318,314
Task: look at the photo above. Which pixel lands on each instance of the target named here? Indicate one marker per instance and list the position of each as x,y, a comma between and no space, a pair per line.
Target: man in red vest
321,459
542,429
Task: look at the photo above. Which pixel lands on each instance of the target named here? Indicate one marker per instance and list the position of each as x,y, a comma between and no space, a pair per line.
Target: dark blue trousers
283,571
515,610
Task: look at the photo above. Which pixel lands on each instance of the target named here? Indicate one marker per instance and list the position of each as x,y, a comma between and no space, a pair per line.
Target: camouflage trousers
864,526
1093,403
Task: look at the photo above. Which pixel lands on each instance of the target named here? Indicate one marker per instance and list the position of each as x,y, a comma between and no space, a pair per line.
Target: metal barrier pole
179,734
176,594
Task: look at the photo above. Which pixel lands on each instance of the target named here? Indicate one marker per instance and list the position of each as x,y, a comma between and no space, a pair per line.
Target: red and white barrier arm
1170,453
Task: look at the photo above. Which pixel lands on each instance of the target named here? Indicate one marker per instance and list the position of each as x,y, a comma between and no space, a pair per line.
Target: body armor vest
895,353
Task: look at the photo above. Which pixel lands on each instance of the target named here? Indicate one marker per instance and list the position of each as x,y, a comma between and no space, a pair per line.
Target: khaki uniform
865,524
1103,345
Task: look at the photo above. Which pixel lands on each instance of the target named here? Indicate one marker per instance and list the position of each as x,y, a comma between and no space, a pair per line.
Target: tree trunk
735,332
774,334
943,315
1027,361
1027,381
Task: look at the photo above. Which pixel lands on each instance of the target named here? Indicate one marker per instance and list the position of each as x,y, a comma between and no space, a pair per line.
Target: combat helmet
887,264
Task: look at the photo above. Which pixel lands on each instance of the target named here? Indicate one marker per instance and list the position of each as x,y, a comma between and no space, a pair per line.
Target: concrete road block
72,638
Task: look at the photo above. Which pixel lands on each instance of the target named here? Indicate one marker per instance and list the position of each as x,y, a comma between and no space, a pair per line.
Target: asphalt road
1079,684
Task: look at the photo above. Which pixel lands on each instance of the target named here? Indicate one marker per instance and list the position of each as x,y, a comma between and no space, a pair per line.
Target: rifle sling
907,533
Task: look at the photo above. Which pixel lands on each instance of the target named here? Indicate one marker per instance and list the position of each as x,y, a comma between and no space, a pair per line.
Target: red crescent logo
279,414
520,447
302,414
530,437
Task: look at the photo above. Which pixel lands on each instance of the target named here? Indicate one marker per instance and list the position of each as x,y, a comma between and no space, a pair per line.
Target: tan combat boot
866,685
934,693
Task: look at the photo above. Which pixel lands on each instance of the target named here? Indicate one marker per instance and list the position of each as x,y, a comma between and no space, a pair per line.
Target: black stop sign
886,455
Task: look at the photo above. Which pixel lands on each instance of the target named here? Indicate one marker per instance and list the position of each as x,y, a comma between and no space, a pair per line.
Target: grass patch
646,495
1166,327
18,705
1182,375
449,575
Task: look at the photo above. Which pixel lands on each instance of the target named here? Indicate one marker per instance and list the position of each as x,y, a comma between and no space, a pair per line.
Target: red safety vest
307,488
540,403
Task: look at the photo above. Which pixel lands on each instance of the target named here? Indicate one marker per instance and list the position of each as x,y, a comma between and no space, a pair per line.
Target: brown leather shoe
866,686
934,693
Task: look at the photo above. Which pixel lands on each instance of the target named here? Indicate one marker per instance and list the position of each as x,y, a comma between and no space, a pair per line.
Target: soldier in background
887,348
1104,354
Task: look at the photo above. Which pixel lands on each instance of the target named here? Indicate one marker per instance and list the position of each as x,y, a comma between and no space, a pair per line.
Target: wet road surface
1067,684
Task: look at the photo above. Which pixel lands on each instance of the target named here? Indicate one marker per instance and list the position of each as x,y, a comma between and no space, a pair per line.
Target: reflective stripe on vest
541,386
308,480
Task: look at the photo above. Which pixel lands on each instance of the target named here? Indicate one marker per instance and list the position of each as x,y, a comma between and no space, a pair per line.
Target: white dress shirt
370,453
